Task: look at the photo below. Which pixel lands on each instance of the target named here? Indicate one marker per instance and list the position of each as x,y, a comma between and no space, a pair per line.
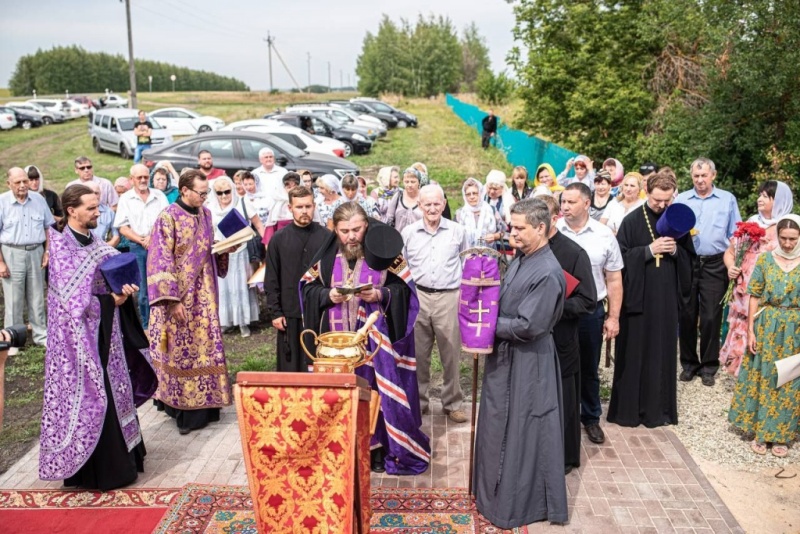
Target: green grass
261,359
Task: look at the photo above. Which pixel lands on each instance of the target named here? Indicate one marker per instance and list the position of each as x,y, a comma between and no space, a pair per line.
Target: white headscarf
217,211
475,229
795,253
783,205
331,183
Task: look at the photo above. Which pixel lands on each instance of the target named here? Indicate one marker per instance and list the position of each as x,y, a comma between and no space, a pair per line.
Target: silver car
112,131
47,116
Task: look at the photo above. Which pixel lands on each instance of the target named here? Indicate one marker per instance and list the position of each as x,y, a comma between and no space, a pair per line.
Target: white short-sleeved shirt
140,215
601,245
615,212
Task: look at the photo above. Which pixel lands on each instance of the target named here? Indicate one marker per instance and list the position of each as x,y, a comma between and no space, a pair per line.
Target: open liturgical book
347,290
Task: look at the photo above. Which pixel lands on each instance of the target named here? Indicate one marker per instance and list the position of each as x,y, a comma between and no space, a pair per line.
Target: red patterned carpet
229,509
131,511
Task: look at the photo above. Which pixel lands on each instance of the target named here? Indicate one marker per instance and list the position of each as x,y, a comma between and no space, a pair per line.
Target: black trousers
485,138
709,282
571,393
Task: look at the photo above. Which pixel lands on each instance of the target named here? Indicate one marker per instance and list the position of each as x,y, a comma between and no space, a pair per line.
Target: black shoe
708,380
376,461
184,431
686,376
595,433
568,469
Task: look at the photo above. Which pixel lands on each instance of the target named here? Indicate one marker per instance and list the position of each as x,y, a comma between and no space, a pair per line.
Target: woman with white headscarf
51,197
331,197
238,303
481,221
774,201
388,186
497,194
770,413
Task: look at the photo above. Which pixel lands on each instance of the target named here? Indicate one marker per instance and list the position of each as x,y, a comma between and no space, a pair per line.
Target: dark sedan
365,108
25,120
237,150
353,137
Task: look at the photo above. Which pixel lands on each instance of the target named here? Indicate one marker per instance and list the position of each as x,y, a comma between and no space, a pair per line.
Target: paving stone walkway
641,480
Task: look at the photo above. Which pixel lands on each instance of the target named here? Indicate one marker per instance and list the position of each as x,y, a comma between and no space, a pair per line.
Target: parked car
47,116
292,135
88,102
55,105
113,101
25,119
8,119
343,116
180,121
112,131
237,150
403,118
364,108
80,108
355,140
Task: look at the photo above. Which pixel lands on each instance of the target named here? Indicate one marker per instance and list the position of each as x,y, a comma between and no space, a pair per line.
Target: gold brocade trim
197,371
314,271
480,282
160,277
398,265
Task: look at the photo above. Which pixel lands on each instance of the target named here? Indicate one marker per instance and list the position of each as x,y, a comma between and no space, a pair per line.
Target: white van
112,131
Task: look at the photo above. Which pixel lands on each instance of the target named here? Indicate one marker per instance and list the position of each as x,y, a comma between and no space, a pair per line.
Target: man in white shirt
24,219
85,171
136,215
600,244
432,247
269,175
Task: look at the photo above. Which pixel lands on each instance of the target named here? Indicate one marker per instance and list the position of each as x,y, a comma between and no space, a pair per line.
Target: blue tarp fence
519,147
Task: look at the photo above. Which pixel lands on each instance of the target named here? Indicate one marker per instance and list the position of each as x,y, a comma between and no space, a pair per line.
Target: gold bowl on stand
341,352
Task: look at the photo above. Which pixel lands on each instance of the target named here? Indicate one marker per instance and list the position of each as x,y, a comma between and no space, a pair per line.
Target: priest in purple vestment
185,335
360,252
97,368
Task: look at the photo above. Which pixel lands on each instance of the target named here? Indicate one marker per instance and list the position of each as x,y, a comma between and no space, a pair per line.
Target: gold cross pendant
658,259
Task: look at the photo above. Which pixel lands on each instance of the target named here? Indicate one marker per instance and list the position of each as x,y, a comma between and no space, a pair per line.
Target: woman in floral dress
758,407
774,201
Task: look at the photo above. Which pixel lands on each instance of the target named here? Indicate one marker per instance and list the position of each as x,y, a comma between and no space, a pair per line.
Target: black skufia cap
382,245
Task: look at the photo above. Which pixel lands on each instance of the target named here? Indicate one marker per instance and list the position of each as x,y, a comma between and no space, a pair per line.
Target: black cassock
574,260
645,366
289,256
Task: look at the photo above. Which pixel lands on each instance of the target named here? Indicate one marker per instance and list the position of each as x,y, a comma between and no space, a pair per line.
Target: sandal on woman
758,448
780,451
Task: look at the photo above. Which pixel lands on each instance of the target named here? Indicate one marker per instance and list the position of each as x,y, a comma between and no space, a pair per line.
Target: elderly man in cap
365,254
24,218
432,247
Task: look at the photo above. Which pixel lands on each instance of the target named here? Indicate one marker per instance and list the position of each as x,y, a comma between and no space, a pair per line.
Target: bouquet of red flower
745,238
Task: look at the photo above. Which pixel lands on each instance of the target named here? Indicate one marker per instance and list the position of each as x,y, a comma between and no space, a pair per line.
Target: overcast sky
227,37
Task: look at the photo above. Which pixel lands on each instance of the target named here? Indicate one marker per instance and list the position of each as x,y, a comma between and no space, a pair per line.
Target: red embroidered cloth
306,447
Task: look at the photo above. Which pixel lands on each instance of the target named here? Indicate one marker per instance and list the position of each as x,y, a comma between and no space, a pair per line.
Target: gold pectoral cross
658,259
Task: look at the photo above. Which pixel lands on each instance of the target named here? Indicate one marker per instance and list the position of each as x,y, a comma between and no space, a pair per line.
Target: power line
183,22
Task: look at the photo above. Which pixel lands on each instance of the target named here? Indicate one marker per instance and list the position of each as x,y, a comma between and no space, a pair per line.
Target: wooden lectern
305,438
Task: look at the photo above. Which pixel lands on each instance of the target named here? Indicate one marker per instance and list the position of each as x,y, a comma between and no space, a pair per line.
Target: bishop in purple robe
399,446
185,335
97,368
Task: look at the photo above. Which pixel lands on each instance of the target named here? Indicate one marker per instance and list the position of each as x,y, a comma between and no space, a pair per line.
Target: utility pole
269,41
309,71
131,65
329,76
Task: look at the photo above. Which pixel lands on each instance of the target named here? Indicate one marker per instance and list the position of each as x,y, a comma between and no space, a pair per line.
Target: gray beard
351,253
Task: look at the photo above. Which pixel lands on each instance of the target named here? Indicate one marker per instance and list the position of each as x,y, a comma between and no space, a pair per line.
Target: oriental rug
126,511
208,509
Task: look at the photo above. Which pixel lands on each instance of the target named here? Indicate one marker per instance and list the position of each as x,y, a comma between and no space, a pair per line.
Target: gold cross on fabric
658,259
478,326
480,311
337,322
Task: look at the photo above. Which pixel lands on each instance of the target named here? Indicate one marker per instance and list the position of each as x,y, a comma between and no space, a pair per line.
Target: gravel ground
703,426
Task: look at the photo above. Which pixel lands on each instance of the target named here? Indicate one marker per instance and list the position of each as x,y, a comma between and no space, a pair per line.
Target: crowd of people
590,260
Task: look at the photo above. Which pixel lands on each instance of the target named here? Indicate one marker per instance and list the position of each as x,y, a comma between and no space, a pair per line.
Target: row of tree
75,70
425,59
667,81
